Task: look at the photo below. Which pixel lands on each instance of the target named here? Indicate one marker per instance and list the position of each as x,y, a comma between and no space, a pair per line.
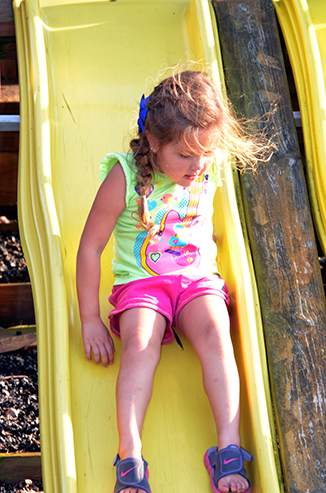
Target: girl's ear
153,142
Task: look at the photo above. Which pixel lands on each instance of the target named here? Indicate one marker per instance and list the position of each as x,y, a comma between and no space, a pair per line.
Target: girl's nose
198,162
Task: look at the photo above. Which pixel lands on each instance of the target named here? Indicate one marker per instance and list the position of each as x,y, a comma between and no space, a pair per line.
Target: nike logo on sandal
122,474
225,462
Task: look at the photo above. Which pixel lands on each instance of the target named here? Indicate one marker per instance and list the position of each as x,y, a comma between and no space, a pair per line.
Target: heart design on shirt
155,257
151,204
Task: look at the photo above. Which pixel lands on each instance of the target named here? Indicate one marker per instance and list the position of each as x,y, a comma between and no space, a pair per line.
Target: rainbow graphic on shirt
174,248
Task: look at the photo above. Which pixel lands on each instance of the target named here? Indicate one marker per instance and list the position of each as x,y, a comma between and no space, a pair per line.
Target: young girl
157,200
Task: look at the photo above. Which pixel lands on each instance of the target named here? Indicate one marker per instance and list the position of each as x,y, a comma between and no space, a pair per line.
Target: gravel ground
28,485
13,266
19,419
19,409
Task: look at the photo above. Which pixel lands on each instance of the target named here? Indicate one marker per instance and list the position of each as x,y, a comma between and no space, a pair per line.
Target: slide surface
303,24
83,68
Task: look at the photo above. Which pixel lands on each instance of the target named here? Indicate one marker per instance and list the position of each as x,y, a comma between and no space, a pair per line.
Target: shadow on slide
83,67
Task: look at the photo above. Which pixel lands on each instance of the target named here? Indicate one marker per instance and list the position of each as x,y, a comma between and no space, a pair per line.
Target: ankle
129,451
225,441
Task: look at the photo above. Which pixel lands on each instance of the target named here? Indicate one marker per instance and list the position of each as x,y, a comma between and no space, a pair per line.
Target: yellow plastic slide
83,68
303,24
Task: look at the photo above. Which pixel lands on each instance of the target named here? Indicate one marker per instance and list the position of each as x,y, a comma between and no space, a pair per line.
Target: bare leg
205,322
141,332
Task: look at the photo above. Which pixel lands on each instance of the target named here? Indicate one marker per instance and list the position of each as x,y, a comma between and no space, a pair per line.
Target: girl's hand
98,341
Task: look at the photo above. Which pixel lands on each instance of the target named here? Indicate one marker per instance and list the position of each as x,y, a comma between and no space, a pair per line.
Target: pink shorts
166,294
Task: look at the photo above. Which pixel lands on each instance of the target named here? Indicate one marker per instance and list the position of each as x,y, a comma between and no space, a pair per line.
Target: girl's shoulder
127,162
124,158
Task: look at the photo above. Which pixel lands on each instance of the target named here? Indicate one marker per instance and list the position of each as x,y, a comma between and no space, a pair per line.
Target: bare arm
107,207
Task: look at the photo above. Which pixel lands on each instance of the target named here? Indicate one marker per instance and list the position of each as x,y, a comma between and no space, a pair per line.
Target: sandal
229,460
131,473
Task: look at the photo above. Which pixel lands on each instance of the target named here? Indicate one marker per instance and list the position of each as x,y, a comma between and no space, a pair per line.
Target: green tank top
184,243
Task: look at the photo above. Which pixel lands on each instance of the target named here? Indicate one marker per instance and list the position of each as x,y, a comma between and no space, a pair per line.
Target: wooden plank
8,224
8,178
9,70
10,93
9,141
282,241
9,107
6,12
7,29
7,25
16,305
17,338
8,49
9,78
10,211
17,467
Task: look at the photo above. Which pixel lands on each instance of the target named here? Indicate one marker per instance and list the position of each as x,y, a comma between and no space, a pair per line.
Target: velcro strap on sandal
131,473
231,459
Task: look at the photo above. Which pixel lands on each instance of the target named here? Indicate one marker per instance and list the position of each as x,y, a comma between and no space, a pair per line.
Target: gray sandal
131,473
229,460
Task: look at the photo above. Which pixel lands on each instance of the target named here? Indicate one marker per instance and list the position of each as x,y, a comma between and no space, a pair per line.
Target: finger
104,354
96,354
88,352
110,351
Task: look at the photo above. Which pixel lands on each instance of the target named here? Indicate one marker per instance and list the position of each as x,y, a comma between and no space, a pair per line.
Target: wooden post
282,242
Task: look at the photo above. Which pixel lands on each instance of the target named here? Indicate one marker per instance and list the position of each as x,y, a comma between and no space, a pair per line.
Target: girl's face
184,162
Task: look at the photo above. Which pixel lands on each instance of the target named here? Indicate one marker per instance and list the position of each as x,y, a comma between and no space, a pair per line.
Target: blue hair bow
142,114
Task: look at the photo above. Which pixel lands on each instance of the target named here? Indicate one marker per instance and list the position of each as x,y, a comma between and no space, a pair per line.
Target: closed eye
207,155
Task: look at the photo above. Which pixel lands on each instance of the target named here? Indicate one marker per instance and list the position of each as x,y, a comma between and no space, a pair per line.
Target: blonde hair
178,108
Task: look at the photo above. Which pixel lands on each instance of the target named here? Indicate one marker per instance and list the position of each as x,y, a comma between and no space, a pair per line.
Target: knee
139,346
212,338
